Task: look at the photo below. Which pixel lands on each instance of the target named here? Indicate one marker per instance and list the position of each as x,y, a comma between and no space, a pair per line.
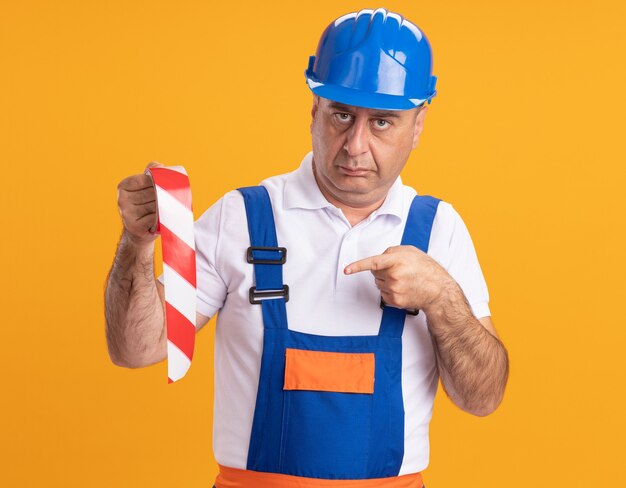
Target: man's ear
419,125
316,103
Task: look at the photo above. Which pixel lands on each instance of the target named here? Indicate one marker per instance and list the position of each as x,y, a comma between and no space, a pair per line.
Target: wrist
141,245
447,294
134,252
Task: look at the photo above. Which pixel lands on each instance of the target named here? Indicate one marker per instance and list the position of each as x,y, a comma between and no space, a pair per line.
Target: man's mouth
353,171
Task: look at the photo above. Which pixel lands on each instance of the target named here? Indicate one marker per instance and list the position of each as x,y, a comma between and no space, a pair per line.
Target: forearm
133,309
472,362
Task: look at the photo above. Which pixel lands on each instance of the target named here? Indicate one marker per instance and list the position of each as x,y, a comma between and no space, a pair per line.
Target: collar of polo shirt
301,191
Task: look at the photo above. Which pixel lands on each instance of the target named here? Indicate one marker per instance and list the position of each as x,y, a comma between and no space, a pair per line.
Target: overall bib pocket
328,403
346,372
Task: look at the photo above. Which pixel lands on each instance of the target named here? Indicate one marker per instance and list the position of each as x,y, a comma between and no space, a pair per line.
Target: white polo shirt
323,300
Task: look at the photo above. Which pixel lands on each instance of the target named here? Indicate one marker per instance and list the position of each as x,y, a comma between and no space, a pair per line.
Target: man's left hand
406,277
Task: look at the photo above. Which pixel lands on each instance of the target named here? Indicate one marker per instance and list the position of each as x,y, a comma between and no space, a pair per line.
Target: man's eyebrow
383,115
339,106
378,113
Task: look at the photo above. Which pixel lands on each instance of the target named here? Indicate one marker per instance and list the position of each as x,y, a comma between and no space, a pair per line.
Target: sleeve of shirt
465,269
210,287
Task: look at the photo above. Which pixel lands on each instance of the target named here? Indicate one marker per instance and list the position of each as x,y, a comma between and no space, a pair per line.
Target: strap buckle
267,259
409,311
257,296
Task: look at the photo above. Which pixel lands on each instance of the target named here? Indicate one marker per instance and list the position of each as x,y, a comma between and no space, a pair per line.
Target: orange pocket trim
243,478
329,371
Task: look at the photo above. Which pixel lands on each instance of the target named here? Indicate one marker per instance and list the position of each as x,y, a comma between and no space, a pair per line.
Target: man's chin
359,186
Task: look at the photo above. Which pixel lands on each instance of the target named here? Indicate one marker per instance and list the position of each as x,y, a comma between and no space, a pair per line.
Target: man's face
359,152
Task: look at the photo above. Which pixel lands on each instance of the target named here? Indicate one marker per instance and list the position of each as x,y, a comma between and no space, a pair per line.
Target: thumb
155,164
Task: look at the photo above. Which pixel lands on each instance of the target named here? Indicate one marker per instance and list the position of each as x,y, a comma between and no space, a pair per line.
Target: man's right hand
134,306
136,201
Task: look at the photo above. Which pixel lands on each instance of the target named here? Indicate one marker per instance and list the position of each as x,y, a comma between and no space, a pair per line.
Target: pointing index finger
372,263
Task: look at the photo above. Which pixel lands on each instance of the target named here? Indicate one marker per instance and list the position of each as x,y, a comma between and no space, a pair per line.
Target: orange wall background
525,138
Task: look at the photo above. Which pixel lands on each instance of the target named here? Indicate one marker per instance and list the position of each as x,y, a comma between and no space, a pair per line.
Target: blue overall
325,434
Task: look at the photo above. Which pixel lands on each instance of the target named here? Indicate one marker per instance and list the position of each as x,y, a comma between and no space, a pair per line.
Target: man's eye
381,124
343,117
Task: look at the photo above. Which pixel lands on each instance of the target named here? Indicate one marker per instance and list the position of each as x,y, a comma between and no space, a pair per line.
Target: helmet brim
359,98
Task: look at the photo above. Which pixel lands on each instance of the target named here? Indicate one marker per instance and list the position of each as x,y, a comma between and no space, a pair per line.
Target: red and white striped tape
176,225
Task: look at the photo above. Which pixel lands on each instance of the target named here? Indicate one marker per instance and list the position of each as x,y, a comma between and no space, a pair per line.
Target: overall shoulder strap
419,223
417,230
266,257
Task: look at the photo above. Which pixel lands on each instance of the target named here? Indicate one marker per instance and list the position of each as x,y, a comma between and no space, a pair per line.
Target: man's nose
357,141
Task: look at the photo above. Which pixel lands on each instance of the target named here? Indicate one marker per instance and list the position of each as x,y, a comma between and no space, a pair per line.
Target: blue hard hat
373,59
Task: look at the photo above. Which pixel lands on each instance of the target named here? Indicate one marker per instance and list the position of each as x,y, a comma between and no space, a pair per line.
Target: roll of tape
175,224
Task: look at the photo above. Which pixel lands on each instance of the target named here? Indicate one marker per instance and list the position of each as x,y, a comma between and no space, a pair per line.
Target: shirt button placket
347,255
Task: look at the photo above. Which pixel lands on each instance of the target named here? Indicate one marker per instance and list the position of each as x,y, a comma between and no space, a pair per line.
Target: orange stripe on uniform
243,478
329,371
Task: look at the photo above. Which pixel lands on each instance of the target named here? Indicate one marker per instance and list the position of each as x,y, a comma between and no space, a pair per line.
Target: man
314,383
